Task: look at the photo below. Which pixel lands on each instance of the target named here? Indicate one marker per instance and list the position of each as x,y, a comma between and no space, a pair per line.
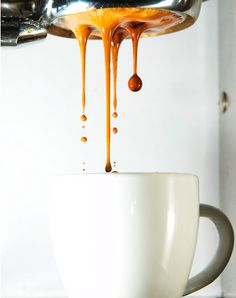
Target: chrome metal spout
28,20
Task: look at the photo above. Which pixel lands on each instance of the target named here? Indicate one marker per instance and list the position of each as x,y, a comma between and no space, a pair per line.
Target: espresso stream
113,25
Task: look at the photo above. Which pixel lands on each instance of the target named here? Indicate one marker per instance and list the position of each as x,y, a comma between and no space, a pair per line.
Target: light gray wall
227,73
176,114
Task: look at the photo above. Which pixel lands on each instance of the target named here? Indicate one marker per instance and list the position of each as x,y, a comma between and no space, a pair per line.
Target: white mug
132,235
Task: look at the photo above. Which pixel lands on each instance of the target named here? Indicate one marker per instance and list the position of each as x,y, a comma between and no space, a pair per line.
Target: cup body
124,235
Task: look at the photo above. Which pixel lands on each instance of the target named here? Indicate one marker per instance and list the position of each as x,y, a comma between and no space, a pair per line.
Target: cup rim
114,173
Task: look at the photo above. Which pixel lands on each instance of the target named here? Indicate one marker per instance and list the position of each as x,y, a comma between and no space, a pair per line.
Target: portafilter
29,20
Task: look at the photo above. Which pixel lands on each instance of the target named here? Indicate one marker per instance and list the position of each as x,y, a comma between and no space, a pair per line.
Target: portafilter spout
28,20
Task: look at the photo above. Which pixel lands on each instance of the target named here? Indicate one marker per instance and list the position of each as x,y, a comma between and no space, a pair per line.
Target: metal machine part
227,75
28,20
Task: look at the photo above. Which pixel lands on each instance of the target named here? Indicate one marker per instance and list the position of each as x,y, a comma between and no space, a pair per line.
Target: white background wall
171,125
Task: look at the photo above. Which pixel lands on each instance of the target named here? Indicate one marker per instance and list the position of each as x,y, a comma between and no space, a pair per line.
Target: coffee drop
115,115
108,167
83,126
83,118
83,139
135,83
114,130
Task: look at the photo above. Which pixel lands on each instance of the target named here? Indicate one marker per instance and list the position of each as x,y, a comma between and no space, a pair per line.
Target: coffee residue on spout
118,36
113,25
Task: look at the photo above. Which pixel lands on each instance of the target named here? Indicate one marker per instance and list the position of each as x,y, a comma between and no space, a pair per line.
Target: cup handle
223,253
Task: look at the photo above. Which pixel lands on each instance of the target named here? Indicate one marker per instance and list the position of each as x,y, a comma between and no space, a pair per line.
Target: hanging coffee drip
111,21
113,26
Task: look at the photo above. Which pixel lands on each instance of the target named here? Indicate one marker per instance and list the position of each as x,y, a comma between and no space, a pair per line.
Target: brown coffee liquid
118,36
135,83
113,25
83,139
135,30
82,34
83,117
114,115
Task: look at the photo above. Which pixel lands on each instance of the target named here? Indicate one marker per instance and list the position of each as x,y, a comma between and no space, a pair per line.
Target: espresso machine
26,21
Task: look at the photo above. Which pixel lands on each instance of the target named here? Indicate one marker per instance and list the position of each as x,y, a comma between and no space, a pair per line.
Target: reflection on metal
27,20
224,102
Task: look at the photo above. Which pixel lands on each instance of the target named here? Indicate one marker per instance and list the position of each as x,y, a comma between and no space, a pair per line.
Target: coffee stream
113,25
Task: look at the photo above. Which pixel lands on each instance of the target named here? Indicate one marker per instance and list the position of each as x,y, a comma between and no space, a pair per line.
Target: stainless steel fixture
227,75
28,20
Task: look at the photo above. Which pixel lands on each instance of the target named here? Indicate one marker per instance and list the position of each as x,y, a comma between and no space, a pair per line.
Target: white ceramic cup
131,235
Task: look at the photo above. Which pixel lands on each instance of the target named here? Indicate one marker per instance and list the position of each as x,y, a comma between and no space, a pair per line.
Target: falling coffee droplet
135,83
115,130
83,126
83,166
83,139
114,115
83,118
